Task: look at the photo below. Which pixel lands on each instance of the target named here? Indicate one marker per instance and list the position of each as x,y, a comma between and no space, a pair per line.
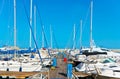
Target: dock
19,75
60,71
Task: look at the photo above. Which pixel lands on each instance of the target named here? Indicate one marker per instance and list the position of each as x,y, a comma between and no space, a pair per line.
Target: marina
54,39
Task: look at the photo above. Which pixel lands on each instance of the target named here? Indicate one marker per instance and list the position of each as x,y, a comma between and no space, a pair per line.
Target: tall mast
14,23
43,37
30,22
80,33
15,28
74,37
35,22
51,36
91,15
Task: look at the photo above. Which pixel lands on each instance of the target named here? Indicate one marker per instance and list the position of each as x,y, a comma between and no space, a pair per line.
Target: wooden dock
59,71
20,75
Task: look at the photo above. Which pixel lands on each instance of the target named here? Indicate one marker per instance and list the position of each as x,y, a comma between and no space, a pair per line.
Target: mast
91,15
51,36
14,23
43,37
15,27
74,37
80,33
35,22
30,22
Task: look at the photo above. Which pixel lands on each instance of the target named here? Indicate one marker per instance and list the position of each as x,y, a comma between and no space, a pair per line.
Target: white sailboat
20,64
93,49
104,66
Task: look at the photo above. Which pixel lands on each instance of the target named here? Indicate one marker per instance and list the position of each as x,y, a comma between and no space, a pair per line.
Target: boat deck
80,74
103,77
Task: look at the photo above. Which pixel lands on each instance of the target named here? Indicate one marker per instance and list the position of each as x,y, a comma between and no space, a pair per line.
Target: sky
61,15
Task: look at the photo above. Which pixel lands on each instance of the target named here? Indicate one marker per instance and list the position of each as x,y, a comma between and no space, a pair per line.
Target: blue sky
62,15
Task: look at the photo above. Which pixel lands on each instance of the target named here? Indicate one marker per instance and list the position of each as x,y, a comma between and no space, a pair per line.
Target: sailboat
101,66
20,64
72,52
93,49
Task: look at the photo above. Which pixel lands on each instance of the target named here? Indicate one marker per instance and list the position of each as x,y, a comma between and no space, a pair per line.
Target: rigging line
32,32
69,41
42,25
76,35
74,43
3,2
77,29
55,40
42,28
86,18
9,19
78,41
10,12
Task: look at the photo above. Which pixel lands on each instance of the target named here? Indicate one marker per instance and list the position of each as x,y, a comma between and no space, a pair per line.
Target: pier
16,74
19,75
60,71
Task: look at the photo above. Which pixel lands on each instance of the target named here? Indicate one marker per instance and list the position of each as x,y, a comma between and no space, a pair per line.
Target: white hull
15,66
